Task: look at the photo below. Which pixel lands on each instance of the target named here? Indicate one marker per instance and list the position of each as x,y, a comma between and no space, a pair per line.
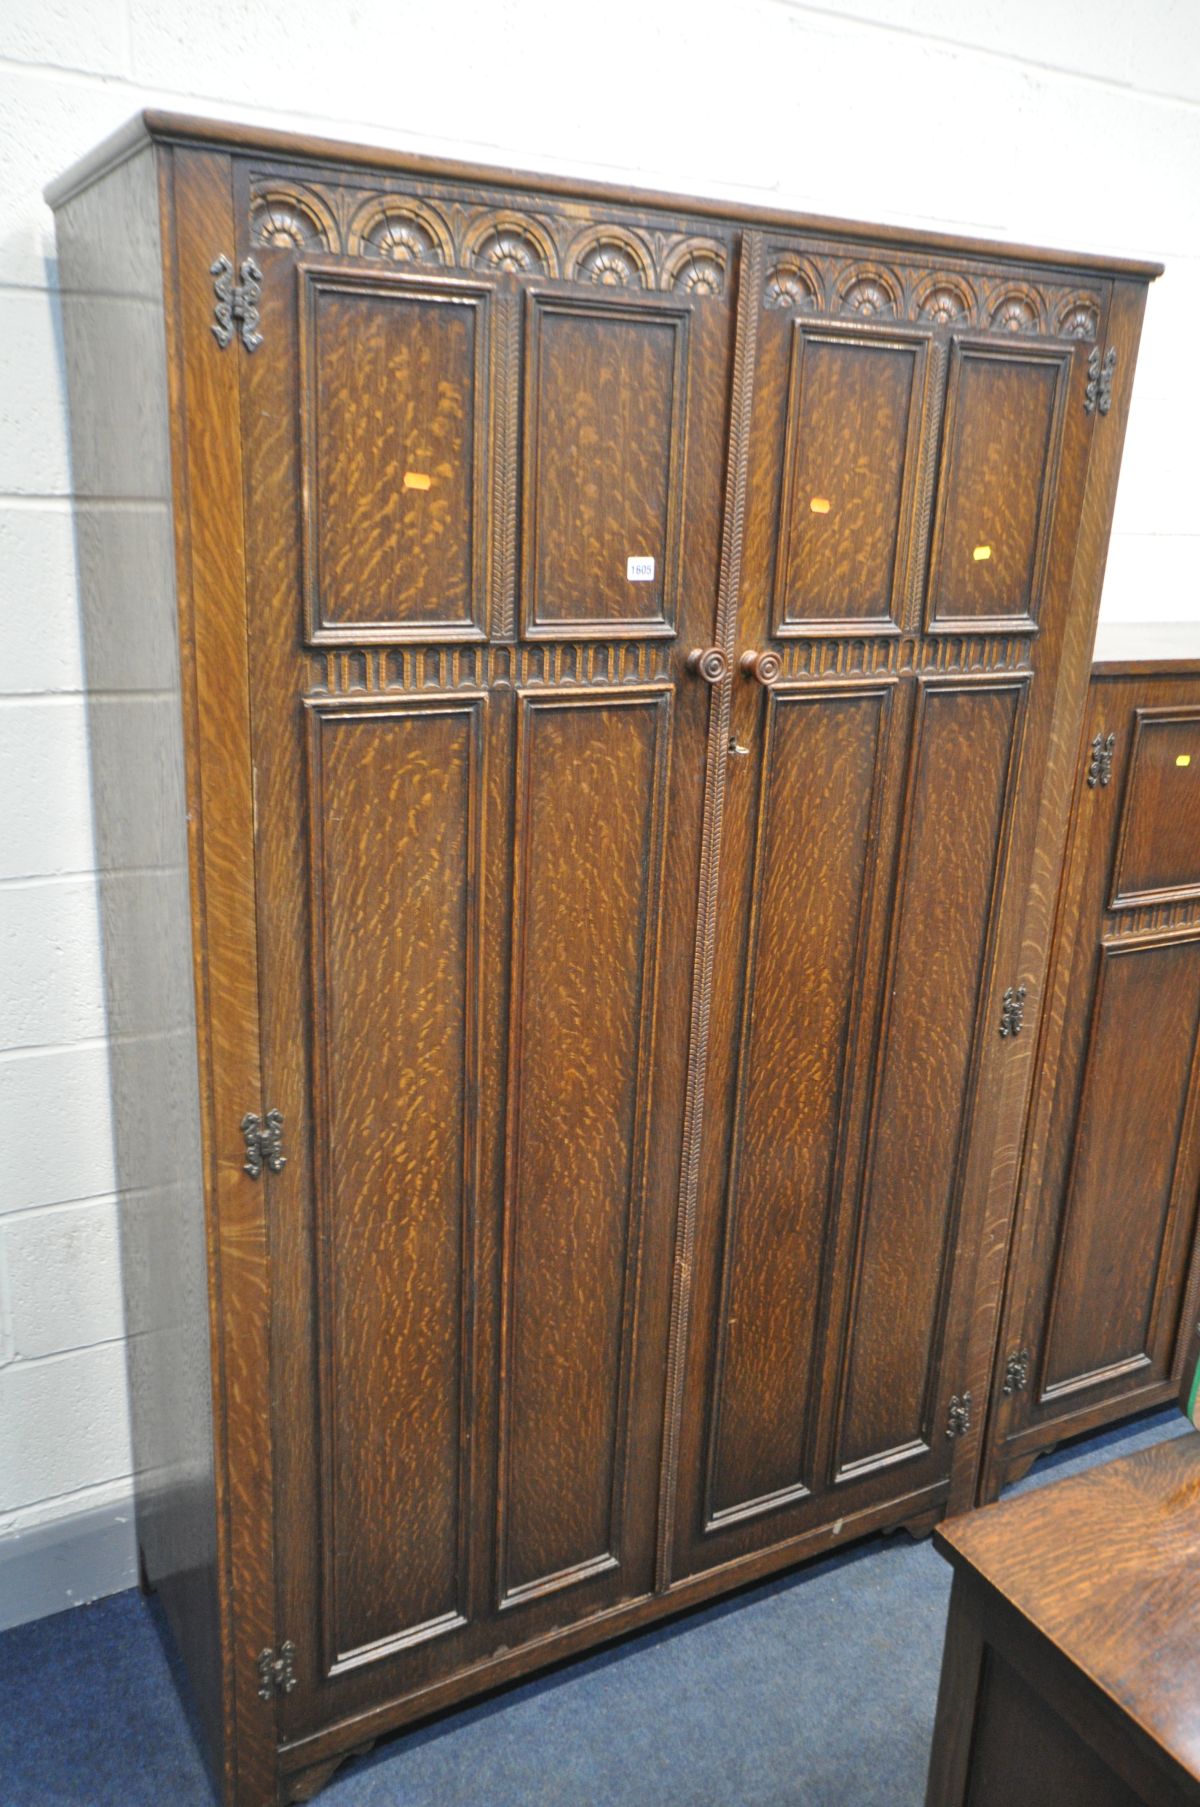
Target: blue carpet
813,1690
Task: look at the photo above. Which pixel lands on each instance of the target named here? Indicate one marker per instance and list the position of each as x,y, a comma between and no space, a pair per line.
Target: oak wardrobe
585,688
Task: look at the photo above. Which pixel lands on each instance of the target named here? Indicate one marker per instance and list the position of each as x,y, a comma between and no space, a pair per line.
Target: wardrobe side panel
111,275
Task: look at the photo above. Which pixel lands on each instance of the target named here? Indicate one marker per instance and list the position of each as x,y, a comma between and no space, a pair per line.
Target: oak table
1071,1671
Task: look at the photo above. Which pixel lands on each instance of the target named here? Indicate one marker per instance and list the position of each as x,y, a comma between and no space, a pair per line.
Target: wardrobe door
1097,1325
484,499
915,476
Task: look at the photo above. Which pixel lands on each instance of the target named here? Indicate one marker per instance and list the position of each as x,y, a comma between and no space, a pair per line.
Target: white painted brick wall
1074,122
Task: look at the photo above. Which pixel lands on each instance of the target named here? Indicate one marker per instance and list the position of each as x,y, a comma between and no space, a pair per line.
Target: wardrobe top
184,129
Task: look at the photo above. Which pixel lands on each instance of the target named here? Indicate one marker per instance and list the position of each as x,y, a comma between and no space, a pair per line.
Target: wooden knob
766,667
710,662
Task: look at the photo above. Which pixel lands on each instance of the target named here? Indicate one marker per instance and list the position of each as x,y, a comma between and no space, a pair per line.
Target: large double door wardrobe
615,666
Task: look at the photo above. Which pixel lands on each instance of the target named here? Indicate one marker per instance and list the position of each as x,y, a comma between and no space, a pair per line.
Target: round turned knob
710,662
766,667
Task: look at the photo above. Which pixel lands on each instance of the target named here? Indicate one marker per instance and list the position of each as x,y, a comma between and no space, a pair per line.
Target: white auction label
639,570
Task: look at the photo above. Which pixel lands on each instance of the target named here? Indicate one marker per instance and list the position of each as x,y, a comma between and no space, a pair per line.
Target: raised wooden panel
1158,845
1001,446
395,822
850,456
605,422
394,438
965,738
1127,1181
590,803
821,769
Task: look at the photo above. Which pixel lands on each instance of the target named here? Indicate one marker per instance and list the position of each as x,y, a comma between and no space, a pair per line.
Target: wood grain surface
1087,1595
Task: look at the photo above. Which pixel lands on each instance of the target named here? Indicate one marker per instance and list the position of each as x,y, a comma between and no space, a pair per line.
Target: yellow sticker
981,552
1183,759
416,480
820,505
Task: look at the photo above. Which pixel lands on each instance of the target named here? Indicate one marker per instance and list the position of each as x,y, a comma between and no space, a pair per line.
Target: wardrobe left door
483,510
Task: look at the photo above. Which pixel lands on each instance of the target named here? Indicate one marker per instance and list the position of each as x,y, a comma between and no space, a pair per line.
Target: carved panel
290,217
851,435
509,243
869,291
965,739
1001,448
1158,843
605,424
400,231
395,824
822,765
1132,1176
611,258
695,268
1016,308
794,282
394,432
588,863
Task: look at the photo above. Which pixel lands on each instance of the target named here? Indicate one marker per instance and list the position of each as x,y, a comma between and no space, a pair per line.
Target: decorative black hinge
263,1137
1012,1011
276,1672
1100,770
1016,1372
1097,397
958,1418
236,301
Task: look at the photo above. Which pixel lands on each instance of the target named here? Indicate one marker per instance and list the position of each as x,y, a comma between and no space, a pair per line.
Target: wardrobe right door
916,462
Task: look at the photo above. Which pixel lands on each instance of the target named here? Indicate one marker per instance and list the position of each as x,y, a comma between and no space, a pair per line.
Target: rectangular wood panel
1158,843
590,801
394,437
961,769
850,452
1124,1191
605,423
1001,447
821,769
395,822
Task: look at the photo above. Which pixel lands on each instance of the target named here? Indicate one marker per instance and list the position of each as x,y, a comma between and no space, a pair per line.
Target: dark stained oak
617,801
1104,1276
1073,1648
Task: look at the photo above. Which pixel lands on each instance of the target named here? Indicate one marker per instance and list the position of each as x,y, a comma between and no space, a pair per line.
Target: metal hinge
1097,397
276,1672
1012,1011
958,1418
236,301
1100,769
263,1137
1016,1372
